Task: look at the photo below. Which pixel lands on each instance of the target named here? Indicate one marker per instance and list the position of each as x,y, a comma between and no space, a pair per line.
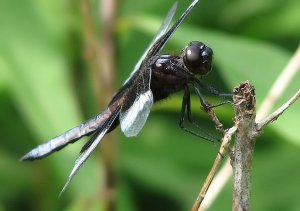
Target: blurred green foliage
45,89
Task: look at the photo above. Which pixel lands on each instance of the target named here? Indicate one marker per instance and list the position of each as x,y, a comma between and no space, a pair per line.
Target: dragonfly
154,78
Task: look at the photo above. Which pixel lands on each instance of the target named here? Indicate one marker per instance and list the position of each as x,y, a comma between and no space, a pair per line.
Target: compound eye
197,58
193,56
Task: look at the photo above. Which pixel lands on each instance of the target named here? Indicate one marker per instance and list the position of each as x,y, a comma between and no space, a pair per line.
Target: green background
46,88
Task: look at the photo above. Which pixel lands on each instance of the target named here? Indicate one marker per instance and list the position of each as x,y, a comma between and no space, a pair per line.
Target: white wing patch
134,119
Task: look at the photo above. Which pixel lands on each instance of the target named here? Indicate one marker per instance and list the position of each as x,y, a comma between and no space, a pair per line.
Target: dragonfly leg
185,74
212,90
204,103
220,104
186,109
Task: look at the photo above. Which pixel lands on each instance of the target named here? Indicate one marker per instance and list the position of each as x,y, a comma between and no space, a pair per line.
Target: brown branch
216,121
274,95
223,149
247,131
225,143
244,100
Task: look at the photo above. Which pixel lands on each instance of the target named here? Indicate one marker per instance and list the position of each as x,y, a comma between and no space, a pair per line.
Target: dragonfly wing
90,146
161,41
166,23
136,108
162,30
134,119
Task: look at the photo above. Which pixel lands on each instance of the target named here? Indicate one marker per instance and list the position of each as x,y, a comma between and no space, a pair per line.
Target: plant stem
244,100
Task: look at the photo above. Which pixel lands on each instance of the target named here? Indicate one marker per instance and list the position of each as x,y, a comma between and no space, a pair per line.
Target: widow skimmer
154,78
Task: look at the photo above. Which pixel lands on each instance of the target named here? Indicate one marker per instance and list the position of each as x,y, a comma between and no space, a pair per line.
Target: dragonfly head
197,57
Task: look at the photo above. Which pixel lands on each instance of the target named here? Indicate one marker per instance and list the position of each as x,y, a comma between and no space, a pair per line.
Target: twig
244,100
226,171
223,149
247,131
225,143
216,185
272,117
216,121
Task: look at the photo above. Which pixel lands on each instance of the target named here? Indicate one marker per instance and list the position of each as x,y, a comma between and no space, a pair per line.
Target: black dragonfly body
154,78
